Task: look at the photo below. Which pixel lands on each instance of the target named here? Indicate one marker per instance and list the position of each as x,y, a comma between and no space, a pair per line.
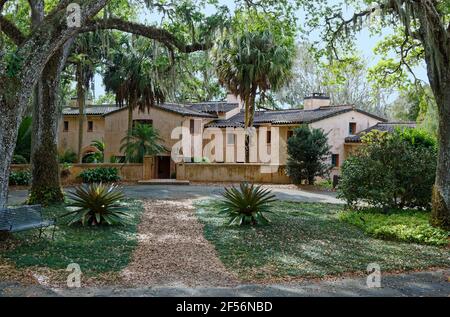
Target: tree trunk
440,215
248,121
81,96
16,88
10,118
46,181
130,119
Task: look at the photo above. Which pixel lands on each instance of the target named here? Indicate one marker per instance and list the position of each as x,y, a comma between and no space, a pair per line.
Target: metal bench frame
25,218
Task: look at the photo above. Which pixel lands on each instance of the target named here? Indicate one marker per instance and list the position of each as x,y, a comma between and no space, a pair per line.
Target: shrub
390,171
21,178
68,156
97,204
142,140
19,159
100,174
65,170
247,204
410,225
308,150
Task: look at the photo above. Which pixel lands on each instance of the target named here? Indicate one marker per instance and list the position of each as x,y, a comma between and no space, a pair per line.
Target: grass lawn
96,250
403,225
309,240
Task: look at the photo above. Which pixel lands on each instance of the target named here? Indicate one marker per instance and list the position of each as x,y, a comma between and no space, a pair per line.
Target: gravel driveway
172,250
284,192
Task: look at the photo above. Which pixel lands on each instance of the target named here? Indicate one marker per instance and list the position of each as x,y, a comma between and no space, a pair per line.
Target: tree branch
150,32
11,31
2,4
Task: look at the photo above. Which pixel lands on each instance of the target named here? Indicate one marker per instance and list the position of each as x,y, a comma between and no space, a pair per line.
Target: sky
365,41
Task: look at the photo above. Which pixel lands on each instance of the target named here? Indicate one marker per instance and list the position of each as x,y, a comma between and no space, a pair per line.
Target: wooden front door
163,167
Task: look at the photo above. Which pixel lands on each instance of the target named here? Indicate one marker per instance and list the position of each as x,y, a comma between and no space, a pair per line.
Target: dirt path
172,250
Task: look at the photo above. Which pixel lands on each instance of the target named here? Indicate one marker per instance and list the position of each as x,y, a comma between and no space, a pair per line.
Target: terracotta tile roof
214,106
289,116
102,110
383,126
184,110
91,110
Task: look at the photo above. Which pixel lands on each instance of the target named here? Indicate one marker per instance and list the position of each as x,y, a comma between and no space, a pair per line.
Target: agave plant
246,204
97,204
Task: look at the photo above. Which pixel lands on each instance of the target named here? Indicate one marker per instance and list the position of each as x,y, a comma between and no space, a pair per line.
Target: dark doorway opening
163,167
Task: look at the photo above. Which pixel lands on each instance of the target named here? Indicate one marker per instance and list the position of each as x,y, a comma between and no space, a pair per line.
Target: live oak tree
28,51
425,24
22,67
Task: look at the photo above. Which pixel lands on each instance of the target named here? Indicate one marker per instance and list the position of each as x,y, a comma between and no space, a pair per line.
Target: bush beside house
20,178
100,174
308,151
391,170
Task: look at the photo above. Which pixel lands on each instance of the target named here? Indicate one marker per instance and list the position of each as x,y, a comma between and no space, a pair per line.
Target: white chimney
316,100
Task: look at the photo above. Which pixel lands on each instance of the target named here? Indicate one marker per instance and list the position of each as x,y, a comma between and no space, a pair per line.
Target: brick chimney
316,100
73,103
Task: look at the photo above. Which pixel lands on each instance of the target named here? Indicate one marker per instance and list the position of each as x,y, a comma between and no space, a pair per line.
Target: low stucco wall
231,172
128,172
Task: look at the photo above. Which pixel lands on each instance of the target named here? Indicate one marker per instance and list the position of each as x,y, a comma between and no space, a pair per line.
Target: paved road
199,191
433,283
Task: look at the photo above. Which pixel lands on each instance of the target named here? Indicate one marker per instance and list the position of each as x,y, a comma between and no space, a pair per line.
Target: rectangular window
90,126
66,126
192,126
147,122
335,160
269,137
230,138
290,134
352,128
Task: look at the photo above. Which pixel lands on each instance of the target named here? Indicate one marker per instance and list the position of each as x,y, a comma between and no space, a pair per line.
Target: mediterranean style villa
109,123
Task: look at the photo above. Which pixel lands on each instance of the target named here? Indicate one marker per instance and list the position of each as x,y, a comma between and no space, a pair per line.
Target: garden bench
24,218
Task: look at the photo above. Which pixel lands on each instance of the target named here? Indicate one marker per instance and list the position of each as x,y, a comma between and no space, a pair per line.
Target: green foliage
402,225
20,178
100,174
97,204
13,64
106,99
68,156
137,81
65,169
391,70
307,150
247,204
391,170
200,160
308,240
143,140
23,143
98,155
253,61
105,249
418,138
18,159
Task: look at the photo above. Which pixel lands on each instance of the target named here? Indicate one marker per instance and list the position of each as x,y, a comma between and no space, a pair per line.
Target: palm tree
86,55
251,63
134,77
143,140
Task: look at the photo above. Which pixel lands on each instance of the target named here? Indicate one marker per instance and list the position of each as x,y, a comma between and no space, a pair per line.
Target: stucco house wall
337,128
69,139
